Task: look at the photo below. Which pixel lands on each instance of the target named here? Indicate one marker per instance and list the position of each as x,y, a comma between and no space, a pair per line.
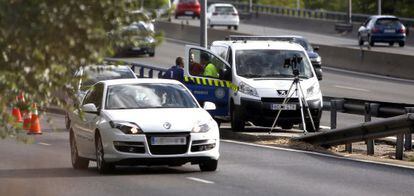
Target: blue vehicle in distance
382,28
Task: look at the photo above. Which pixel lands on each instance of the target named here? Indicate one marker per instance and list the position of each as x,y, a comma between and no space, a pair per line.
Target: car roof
383,16
222,4
105,67
139,81
254,44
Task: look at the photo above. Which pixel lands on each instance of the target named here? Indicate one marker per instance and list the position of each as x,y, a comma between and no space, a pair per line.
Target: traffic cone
26,120
16,112
34,123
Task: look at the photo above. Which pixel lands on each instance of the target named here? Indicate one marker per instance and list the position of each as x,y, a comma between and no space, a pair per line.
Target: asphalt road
336,83
43,168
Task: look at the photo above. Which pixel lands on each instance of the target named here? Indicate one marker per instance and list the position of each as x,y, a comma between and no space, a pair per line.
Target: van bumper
259,112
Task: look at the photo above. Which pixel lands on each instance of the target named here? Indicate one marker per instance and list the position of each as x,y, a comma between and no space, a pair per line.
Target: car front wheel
77,162
401,44
209,165
102,166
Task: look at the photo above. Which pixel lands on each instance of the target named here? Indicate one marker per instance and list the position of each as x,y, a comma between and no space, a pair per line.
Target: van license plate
283,106
168,140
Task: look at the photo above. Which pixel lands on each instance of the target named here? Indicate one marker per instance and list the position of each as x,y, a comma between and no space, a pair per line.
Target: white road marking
44,144
200,180
319,154
351,88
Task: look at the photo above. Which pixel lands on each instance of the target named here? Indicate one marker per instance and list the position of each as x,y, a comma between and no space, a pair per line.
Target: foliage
42,42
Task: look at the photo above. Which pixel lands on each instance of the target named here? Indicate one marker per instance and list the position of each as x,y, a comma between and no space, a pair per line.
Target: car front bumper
137,150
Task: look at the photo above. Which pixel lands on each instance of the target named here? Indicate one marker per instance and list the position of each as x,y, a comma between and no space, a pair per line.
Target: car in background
221,14
315,58
136,38
89,75
382,28
188,8
140,16
135,122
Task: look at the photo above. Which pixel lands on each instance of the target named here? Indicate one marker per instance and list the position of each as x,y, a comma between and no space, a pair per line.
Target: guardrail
304,13
144,70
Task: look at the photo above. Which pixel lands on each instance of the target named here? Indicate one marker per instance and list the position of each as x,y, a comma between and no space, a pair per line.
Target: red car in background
188,8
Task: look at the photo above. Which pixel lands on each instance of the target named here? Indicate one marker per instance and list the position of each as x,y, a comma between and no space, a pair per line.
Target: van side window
205,64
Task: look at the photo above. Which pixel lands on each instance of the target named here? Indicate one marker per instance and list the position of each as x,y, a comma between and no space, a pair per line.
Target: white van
256,66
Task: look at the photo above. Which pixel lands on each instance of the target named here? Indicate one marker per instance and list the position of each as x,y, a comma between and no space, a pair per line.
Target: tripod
302,102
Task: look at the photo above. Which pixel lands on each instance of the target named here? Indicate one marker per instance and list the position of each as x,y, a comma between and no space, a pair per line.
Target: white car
221,14
143,122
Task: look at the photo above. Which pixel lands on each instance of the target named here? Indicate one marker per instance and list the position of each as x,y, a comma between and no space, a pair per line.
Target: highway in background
315,38
44,169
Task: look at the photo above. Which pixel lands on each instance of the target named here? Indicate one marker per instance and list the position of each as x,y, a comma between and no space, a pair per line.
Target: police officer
176,72
210,69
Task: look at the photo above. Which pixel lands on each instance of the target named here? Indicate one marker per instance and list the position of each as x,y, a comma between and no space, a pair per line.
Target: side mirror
209,105
318,72
316,48
90,108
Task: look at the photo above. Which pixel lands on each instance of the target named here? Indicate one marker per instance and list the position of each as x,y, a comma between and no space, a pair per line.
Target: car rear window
94,75
388,22
224,9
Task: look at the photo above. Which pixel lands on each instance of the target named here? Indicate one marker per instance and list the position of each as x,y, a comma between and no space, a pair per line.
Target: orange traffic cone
34,123
16,112
26,120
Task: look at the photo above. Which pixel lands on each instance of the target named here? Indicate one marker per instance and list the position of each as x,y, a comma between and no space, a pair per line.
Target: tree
42,42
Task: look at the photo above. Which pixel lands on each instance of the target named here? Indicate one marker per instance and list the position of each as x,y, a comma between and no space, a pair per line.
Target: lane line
319,154
351,88
44,144
200,180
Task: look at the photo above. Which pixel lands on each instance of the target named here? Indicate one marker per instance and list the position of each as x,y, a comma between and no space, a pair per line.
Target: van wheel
237,122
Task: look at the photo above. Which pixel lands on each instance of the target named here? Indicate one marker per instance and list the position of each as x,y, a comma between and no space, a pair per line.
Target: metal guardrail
303,13
367,131
144,70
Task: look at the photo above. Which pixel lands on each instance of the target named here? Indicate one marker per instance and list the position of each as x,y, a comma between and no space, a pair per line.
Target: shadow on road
91,171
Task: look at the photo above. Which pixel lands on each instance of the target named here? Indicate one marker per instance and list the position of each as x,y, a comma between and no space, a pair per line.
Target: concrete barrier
360,60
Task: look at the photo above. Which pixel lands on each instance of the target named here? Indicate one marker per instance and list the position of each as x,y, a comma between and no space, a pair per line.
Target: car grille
168,149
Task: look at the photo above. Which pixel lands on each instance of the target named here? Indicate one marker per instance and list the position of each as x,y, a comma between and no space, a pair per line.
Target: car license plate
283,107
188,12
168,140
389,31
136,48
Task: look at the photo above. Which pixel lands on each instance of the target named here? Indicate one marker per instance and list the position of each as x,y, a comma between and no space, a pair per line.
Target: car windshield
224,9
95,74
270,63
394,22
143,96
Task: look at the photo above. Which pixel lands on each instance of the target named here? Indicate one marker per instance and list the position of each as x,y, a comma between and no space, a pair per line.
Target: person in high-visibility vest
210,70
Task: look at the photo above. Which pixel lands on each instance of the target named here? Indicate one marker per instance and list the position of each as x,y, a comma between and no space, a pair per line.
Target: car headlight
316,60
126,127
247,89
202,127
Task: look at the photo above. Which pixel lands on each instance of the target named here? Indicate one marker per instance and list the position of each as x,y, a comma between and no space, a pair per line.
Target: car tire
286,126
309,127
236,27
151,54
237,122
209,165
371,43
77,161
401,44
391,43
228,27
360,41
176,17
67,121
102,166
211,26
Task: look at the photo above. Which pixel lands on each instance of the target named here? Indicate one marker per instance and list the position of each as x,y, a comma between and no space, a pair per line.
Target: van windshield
270,63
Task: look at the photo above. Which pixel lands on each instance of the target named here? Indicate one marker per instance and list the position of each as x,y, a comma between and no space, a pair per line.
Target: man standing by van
176,72
210,69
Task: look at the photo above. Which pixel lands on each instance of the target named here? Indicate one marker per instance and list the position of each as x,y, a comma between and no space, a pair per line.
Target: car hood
154,120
